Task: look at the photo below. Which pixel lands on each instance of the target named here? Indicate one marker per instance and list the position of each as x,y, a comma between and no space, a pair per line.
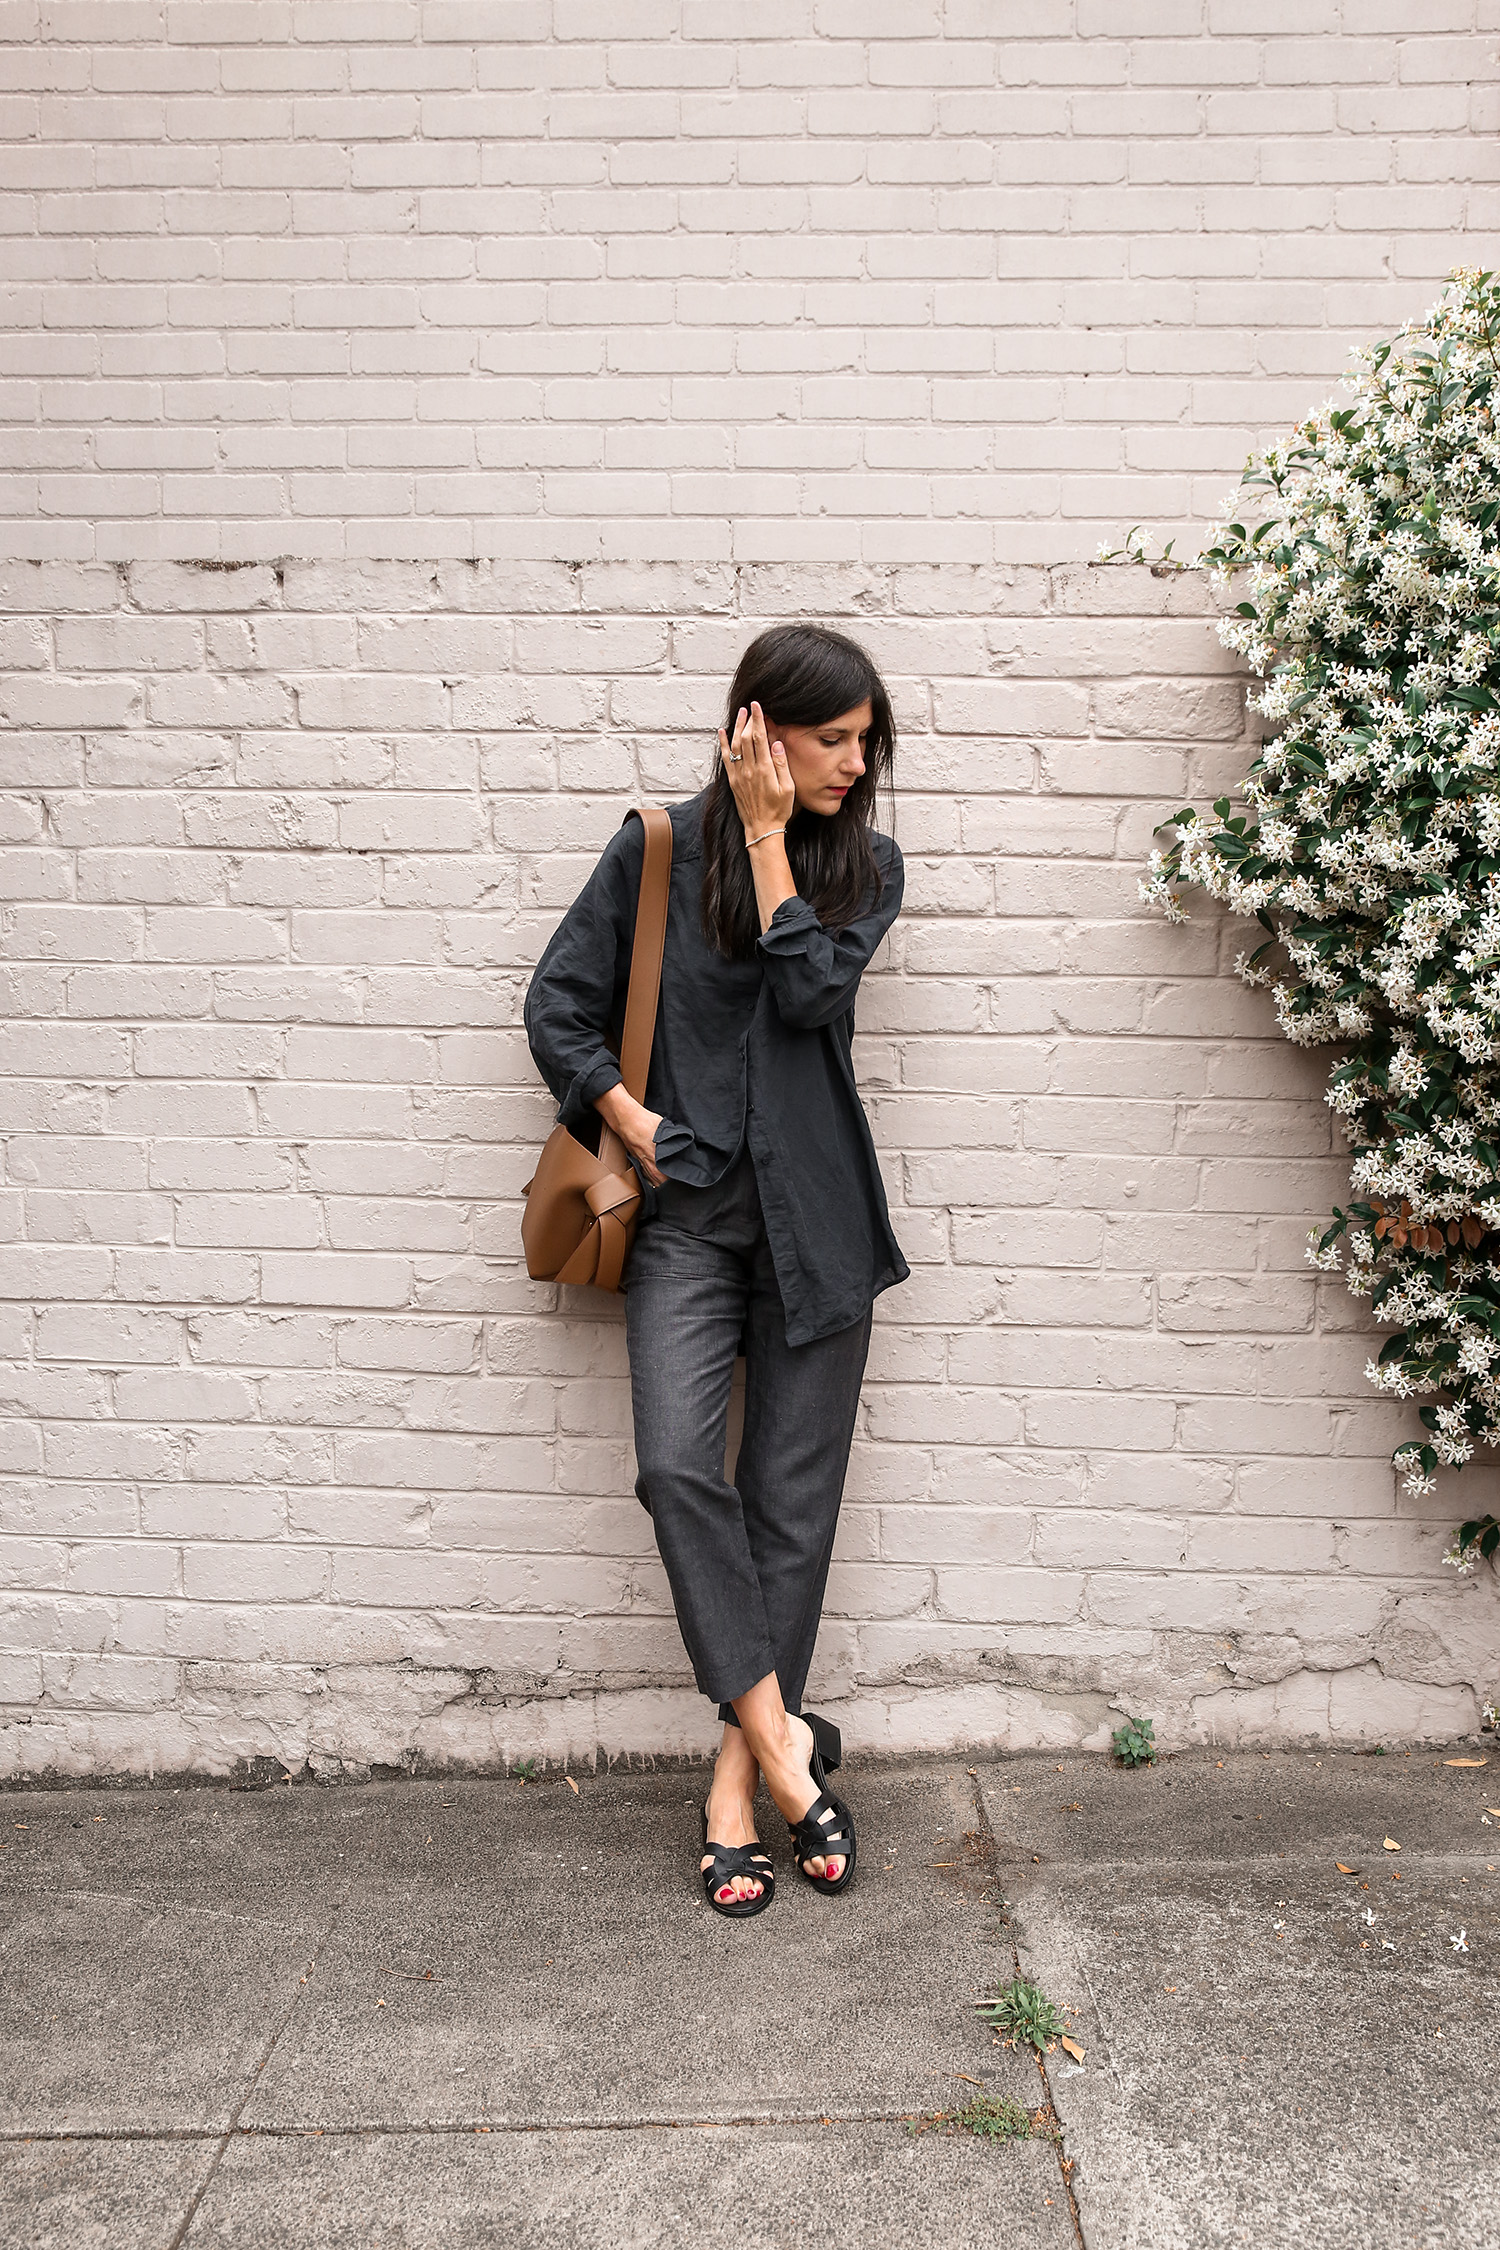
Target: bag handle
650,941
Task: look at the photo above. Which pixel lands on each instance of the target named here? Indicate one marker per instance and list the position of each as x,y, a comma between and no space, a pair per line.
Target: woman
764,1225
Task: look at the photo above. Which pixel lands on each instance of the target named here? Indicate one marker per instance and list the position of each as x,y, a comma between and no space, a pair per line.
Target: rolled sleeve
576,994
584,1088
814,973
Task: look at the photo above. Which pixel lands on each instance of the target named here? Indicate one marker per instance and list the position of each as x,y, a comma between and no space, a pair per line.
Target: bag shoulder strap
645,958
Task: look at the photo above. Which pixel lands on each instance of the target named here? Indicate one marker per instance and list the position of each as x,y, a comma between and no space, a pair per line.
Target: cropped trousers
747,1562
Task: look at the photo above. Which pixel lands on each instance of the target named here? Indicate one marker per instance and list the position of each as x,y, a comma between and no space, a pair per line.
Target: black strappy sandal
813,1836
730,1860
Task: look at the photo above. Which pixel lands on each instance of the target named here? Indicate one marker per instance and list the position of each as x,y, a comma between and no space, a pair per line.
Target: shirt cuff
791,923
671,1142
578,1102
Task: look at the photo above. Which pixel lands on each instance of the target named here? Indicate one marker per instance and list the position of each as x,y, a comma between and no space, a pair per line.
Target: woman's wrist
771,872
617,1107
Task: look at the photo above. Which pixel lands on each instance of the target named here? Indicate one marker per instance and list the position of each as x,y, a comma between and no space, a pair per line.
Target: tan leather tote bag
581,1209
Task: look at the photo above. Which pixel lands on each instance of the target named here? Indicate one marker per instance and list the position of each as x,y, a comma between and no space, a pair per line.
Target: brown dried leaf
1466,1761
1343,1870
1071,2047
1391,1844
572,1784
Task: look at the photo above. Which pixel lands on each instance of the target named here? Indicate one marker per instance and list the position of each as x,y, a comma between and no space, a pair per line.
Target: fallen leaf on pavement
1391,1844
572,1784
1343,1870
1071,2047
1466,1761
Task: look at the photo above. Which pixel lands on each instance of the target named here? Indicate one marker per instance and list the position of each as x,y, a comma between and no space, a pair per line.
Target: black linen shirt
756,1050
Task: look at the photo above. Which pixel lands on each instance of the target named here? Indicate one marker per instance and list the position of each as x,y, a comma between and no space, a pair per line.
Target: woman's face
825,761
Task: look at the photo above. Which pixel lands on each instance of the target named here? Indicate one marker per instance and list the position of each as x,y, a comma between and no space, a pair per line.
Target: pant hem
726,1711
724,1701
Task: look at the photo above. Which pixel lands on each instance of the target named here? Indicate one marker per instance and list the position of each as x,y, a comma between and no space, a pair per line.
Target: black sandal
730,1860
813,1836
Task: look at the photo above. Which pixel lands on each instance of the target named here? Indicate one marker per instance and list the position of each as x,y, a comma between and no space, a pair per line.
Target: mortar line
229,2131
982,1816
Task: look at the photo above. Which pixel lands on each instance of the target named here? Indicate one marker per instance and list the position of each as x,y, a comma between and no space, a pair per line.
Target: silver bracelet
760,839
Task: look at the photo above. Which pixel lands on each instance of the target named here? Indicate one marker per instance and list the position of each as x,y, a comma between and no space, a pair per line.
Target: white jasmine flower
1363,597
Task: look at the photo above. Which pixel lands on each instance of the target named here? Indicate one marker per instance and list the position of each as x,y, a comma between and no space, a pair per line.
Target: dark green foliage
1134,1744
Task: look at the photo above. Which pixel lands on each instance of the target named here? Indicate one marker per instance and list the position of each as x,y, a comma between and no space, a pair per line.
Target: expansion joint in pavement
1064,2161
418,2127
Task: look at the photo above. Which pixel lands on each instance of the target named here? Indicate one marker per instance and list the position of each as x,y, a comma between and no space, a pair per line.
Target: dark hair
801,676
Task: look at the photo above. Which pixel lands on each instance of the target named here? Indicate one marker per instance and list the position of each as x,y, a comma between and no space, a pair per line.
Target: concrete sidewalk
410,2014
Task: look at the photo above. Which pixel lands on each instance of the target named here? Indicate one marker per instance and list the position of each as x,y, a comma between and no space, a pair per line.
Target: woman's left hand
764,791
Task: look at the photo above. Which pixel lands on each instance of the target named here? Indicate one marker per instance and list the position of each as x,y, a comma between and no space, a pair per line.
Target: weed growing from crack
1022,2011
991,2117
1134,1744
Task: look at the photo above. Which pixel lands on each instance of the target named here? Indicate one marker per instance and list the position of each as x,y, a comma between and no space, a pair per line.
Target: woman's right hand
635,1125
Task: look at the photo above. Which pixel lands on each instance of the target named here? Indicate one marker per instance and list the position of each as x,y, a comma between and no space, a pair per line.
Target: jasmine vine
1368,843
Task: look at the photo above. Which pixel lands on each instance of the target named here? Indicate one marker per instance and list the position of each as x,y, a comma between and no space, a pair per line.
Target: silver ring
736,758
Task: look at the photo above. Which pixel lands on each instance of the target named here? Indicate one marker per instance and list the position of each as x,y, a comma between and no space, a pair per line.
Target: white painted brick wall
518,377
891,281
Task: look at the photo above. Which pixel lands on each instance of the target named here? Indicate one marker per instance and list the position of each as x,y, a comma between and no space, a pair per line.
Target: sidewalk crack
1064,2161
233,2126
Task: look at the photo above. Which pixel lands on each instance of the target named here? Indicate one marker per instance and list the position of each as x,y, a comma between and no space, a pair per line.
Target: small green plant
1134,1744
524,1769
993,2117
1023,2011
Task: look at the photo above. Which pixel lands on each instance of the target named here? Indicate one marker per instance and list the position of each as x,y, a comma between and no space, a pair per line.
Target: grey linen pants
746,1562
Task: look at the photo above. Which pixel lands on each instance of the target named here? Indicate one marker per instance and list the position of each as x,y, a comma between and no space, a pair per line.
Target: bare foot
731,1811
789,1779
